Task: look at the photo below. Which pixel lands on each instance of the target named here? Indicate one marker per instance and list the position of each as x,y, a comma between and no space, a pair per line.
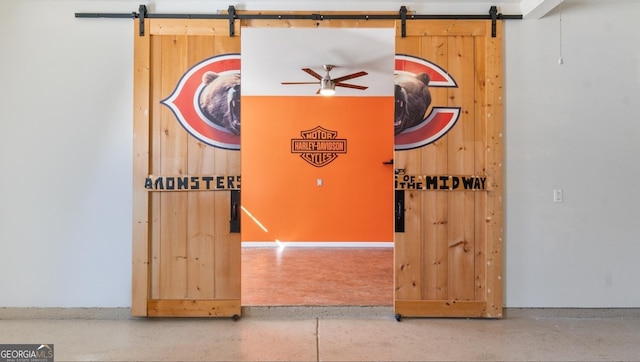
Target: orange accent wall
279,188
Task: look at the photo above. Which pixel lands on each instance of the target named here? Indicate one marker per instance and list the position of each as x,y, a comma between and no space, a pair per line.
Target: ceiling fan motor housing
327,83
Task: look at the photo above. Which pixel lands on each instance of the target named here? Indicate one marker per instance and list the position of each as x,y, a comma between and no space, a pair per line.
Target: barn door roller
493,12
143,14
232,15
403,20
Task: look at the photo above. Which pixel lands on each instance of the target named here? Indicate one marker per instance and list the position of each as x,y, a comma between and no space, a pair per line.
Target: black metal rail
232,15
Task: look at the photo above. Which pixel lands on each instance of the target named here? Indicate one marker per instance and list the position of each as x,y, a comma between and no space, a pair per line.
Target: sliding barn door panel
448,260
186,259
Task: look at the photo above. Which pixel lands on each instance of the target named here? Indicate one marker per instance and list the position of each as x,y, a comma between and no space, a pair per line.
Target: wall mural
206,102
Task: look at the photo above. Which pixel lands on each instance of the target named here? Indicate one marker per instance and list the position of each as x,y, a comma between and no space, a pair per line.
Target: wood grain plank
445,308
194,308
155,130
435,218
480,147
461,161
227,254
408,248
227,250
201,231
495,142
173,155
206,27
445,28
140,211
200,226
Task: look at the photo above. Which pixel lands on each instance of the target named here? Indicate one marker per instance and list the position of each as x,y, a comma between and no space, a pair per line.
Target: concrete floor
328,334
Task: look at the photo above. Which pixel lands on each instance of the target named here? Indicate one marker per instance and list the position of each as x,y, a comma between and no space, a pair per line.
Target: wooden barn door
448,260
186,262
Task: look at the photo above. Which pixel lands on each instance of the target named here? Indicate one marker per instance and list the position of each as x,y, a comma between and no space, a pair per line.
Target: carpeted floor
317,276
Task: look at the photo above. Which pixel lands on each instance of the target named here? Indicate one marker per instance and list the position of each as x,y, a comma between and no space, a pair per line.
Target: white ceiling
274,55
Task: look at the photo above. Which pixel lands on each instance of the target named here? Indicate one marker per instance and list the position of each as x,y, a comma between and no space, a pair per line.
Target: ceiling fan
328,85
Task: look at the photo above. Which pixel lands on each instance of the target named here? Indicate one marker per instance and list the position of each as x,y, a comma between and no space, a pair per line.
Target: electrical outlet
557,195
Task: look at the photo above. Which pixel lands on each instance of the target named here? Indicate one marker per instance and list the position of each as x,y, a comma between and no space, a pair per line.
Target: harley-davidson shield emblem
319,146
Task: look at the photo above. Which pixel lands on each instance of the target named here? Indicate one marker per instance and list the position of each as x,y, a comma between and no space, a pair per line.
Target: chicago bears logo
318,146
413,127
206,102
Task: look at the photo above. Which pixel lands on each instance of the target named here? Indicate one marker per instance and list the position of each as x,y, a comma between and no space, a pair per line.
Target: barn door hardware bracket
142,14
403,20
232,18
493,12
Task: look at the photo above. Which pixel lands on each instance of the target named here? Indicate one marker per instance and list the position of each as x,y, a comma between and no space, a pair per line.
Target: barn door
186,255
448,259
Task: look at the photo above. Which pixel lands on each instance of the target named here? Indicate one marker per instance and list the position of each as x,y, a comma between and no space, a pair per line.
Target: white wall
66,141
65,157
574,127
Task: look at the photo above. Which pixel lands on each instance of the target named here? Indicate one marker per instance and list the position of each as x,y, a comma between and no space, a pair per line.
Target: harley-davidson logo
318,146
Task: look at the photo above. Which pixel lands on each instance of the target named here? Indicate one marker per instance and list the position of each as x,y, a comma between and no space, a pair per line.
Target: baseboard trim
65,313
302,312
578,313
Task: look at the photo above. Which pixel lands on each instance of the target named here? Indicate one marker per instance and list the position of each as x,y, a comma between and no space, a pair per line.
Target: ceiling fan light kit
327,87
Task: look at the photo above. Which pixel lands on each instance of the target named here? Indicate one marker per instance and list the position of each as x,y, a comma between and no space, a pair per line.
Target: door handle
399,211
390,162
234,217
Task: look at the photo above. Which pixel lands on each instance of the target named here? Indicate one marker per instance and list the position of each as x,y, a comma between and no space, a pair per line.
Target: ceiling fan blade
290,83
346,85
312,73
350,76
